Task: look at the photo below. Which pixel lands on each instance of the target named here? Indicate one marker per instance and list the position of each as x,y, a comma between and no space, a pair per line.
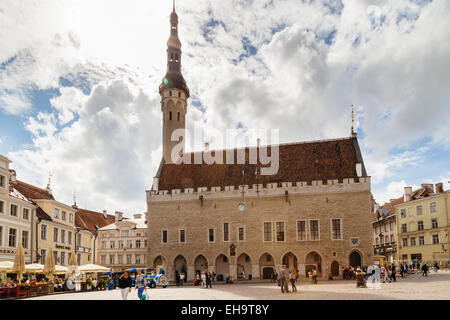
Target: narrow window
314,229
267,231
336,225
1,236
63,236
178,116
43,255
2,181
434,224
404,228
301,230
2,207
433,207
421,240
26,214
403,213
164,236
435,239
56,213
13,210
170,115
419,225
55,235
413,241
241,234
280,231
211,235
405,242
12,237
226,232
419,210
182,236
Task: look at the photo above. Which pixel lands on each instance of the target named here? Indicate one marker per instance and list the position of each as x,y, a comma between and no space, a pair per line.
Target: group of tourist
140,285
205,279
286,276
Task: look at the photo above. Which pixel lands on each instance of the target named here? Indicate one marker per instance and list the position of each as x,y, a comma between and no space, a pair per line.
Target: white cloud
275,64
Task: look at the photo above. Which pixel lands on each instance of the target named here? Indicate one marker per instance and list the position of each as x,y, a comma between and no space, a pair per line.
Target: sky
79,86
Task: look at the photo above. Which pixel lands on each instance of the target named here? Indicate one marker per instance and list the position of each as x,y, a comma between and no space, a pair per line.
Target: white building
17,215
123,244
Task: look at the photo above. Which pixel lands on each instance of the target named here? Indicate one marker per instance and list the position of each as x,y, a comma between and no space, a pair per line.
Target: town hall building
314,213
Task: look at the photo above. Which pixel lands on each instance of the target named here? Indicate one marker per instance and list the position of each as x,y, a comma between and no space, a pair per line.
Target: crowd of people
205,279
286,277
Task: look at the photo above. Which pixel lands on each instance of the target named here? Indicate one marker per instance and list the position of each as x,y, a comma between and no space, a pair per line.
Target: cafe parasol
92,268
19,263
72,269
34,268
6,266
49,266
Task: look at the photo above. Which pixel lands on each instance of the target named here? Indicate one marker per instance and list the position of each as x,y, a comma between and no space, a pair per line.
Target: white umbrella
19,263
88,268
60,269
6,266
34,268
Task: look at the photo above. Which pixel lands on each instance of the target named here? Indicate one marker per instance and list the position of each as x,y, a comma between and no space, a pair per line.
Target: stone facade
348,201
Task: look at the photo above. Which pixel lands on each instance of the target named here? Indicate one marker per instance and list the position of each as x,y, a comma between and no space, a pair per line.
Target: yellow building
423,225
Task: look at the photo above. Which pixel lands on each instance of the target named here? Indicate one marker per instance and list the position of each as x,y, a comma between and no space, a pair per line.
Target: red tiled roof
32,192
422,191
87,219
317,160
41,214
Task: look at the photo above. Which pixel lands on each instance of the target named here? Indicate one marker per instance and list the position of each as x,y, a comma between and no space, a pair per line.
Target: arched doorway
222,267
355,259
180,266
290,260
267,265
244,264
335,269
200,264
313,261
160,263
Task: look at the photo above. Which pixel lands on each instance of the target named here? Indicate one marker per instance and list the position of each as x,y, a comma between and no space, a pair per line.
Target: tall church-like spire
174,95
174,77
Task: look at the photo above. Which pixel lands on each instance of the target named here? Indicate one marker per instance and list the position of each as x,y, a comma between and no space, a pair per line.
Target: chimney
439,187
359,169
119,216
105,214
137,215
429,185
13,175
408,194
376,207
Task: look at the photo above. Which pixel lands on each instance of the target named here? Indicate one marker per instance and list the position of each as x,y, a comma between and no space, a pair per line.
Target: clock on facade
241,207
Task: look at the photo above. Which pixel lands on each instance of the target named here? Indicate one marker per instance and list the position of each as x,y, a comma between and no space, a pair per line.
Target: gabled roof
32,192
87,219
388,209
304,161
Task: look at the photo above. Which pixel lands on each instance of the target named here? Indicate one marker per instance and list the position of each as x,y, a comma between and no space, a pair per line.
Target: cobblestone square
416,287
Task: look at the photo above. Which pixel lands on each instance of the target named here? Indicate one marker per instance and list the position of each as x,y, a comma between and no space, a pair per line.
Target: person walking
315,275
425,270
293,278
125,284
282,275
140,284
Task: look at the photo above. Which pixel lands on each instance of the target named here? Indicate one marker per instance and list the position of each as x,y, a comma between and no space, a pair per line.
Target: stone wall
350,202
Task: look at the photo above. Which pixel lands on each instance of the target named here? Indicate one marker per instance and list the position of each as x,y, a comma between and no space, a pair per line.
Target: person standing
208,280
140,284
315,276
125,284
203,276
394,271
293,279
181,279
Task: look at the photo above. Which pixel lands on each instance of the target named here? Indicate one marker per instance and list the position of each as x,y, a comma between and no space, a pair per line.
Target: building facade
314,213
384,230
123,244
17,216
423,225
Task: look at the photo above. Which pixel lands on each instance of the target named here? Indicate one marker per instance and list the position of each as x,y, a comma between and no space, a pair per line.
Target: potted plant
89,284
102,284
